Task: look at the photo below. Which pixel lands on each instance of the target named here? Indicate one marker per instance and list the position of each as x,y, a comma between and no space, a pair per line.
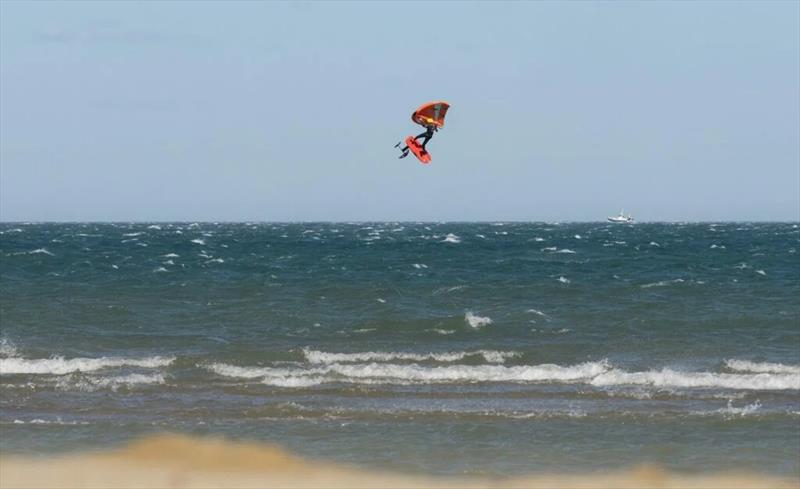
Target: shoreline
179,461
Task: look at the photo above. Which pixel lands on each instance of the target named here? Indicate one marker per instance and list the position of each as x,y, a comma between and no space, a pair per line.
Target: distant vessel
622,218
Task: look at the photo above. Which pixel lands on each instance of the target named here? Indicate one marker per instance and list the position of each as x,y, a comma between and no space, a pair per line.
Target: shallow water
496,348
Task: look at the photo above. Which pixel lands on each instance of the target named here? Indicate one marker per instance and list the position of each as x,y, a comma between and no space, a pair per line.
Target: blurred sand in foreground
175,461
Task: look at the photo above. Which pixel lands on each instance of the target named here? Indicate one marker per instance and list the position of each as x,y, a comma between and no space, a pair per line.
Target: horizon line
356,221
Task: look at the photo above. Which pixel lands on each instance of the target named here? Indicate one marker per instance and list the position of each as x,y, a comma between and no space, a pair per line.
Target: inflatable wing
431,113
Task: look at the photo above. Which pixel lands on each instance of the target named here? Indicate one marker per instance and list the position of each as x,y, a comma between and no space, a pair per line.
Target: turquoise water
444,348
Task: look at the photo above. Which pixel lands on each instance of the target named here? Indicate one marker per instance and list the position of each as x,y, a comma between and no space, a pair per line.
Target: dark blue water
497,348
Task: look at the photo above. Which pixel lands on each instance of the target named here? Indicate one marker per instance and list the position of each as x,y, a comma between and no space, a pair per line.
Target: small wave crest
667,378
341,368
38,251
320,357
7,348
94,383
382,373
663,283
761,367
62,366
730,410
476,321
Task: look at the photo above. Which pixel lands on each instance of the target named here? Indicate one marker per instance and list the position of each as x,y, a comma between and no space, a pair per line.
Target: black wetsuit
428,134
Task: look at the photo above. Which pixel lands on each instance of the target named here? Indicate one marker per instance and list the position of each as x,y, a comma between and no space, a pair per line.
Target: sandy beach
178,461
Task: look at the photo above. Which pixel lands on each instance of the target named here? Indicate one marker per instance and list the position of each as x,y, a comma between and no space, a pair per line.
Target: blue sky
289,111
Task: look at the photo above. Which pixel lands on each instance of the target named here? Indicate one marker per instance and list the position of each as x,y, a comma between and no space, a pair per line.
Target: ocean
434,348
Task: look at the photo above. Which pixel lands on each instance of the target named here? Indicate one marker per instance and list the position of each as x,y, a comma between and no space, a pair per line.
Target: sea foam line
321,357
93,383
667,378
413,373
761,367
61,366
599,374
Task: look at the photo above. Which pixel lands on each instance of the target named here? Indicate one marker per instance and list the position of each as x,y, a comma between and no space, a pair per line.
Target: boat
621,218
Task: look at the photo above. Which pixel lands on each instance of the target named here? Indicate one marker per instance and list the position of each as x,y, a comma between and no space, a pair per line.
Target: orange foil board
416,148
431,114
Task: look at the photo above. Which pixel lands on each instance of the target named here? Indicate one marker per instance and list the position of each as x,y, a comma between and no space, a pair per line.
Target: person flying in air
428,134
431,117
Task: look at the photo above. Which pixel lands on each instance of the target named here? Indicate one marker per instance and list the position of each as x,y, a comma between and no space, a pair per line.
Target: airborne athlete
428,134
430,116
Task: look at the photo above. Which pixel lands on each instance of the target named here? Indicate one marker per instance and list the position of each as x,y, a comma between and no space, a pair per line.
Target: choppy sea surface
443,348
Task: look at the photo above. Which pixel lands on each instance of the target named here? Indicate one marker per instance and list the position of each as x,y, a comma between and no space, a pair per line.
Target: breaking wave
62,366
476,321
378,373
598,374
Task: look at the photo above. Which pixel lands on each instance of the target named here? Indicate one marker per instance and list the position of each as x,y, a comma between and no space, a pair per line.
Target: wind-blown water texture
495,347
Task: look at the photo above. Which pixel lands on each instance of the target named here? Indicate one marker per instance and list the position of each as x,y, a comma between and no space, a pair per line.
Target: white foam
293,382
538,239
578,236
595,373
320,357
38,251
761,272
761,367
746,410
61,366
451,238
171,255
159,269
663,283
374,373
419,265
57,421
382,301
565,250
130,235
7,348
549,248
447,290
90,384
537,312
667,378
563,280
653,243
442,331
227,370
477,321
198,241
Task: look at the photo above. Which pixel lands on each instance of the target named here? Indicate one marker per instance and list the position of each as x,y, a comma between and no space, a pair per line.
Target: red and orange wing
431,113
